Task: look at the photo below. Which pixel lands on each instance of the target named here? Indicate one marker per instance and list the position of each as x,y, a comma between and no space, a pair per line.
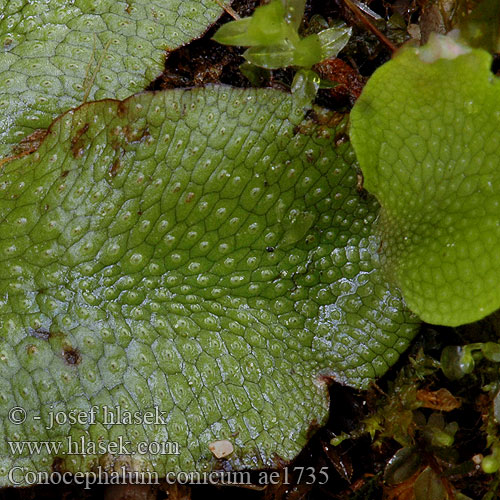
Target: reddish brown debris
442,399
350,82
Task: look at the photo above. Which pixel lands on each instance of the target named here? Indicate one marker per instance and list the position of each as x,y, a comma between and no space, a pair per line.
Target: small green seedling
457,361
414,464
272,37
491,463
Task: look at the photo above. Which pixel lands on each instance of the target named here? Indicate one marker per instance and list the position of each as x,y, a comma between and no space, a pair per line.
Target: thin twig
91,61
229,10
98,67
370,26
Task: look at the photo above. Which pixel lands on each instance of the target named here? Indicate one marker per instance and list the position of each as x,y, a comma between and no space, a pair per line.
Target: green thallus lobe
55,54
135,272
426,134
207,252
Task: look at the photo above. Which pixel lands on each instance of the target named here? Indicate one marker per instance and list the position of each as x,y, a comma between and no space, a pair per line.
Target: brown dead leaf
441,399
350,82
402,491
